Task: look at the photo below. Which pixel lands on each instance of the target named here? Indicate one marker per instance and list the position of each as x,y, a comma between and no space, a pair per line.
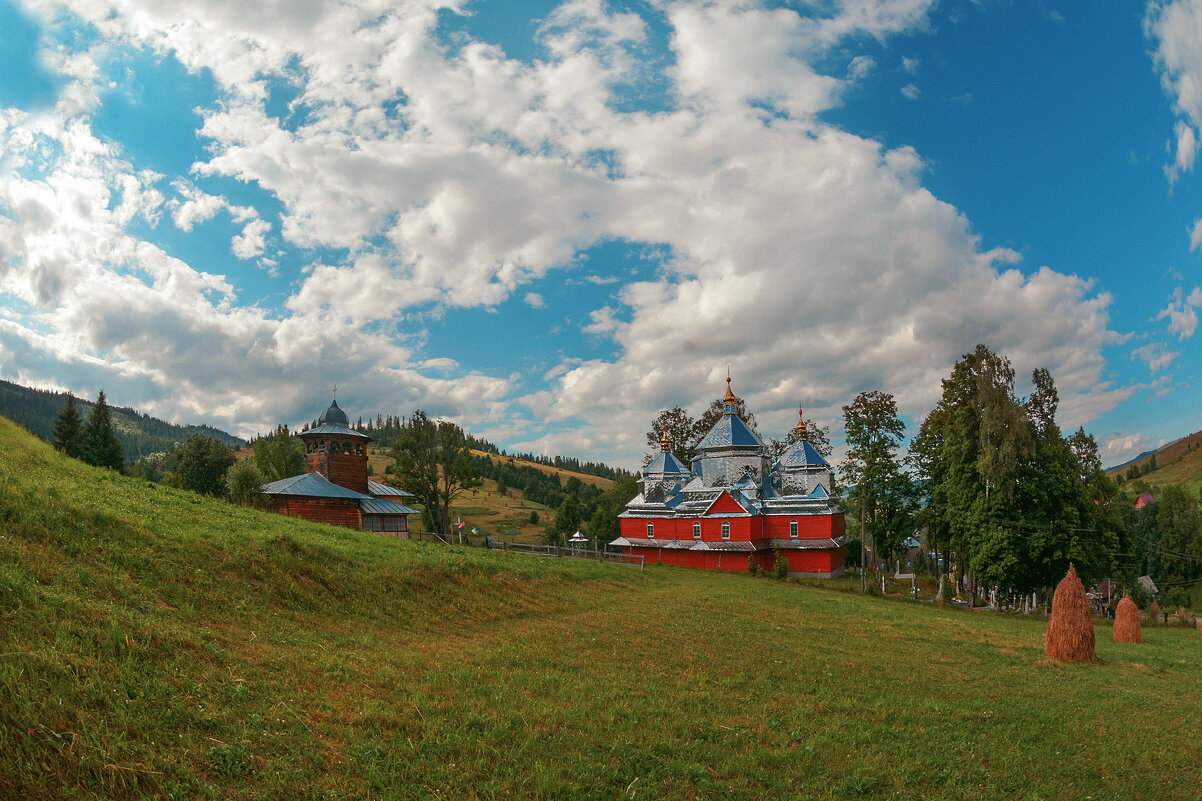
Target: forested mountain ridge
139,434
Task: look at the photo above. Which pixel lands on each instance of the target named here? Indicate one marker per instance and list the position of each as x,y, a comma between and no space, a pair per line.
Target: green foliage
781,567
100,447
682,433
68,430
753,569
604,523
279,454
200,465
567,518
883,494
1179,521
244,480
432,460
1014,498
533,517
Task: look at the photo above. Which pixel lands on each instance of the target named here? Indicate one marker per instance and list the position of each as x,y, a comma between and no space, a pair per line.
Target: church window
793,529
651,530
696,531
725,529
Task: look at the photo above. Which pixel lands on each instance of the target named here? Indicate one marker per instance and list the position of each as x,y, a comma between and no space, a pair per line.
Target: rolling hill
1179,462
157,644
139,434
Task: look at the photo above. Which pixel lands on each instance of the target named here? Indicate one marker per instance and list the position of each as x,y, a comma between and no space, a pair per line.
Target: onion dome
665,444
730,404
800,431
334,416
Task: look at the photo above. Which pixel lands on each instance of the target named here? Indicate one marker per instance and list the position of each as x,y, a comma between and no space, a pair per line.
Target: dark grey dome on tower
334,416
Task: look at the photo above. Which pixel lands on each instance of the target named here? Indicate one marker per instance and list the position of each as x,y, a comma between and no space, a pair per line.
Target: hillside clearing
157,644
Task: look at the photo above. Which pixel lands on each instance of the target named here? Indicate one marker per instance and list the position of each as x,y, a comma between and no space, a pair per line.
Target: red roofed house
732,505
1144,500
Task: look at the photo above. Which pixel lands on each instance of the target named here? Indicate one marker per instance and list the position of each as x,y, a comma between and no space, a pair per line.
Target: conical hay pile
1154,614
1126,622
1070,628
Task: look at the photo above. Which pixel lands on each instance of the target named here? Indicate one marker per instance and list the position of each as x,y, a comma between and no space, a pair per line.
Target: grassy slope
1178,464
503,517
157,644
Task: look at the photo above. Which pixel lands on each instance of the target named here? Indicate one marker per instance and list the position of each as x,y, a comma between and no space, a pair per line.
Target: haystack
1154,614
1070,628
1126,622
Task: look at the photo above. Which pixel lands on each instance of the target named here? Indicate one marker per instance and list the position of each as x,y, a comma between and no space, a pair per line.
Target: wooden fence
569,552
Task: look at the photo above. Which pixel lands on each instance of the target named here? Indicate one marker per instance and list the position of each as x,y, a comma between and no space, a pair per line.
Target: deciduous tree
881,489
433,462
279,454
244,480
200,464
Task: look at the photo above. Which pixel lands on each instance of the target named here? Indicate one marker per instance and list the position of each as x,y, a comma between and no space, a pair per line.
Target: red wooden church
732,505
336,488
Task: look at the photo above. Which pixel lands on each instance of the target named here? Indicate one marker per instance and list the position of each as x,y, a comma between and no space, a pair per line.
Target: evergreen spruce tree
100,445
68,430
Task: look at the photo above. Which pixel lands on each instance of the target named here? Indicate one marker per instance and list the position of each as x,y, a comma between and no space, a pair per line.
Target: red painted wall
809,527
755,529
724,504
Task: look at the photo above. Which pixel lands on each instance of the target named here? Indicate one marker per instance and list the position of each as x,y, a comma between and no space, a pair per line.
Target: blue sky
548,220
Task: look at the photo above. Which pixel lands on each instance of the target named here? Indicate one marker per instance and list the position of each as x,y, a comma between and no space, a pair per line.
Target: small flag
474,530
461,525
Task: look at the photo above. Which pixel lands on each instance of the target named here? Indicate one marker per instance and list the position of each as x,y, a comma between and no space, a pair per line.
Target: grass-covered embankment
157,644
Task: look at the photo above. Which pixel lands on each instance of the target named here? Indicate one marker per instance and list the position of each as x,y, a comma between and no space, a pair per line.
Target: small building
336,489
1144,500
733,506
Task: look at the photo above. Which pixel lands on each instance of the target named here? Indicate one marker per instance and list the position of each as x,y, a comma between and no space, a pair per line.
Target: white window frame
650,531
793,529
696,531
725,529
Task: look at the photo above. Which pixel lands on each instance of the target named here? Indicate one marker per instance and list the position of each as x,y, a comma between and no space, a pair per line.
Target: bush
752,567
782,567
244,480
533,517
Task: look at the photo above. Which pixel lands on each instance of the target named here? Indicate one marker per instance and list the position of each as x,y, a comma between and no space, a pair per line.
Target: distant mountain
1129,462
139,434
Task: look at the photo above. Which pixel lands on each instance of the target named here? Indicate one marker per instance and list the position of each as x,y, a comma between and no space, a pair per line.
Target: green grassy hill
501,517
1179,462
155,644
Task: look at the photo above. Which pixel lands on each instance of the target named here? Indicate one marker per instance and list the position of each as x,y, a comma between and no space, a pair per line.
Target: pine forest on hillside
140,434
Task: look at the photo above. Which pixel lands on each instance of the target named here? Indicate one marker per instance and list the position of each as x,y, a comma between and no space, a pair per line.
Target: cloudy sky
548,220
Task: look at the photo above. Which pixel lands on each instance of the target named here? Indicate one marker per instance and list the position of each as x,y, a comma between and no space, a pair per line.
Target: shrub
752,567
782,566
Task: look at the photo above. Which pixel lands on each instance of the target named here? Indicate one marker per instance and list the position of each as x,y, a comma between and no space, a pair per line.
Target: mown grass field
155,644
